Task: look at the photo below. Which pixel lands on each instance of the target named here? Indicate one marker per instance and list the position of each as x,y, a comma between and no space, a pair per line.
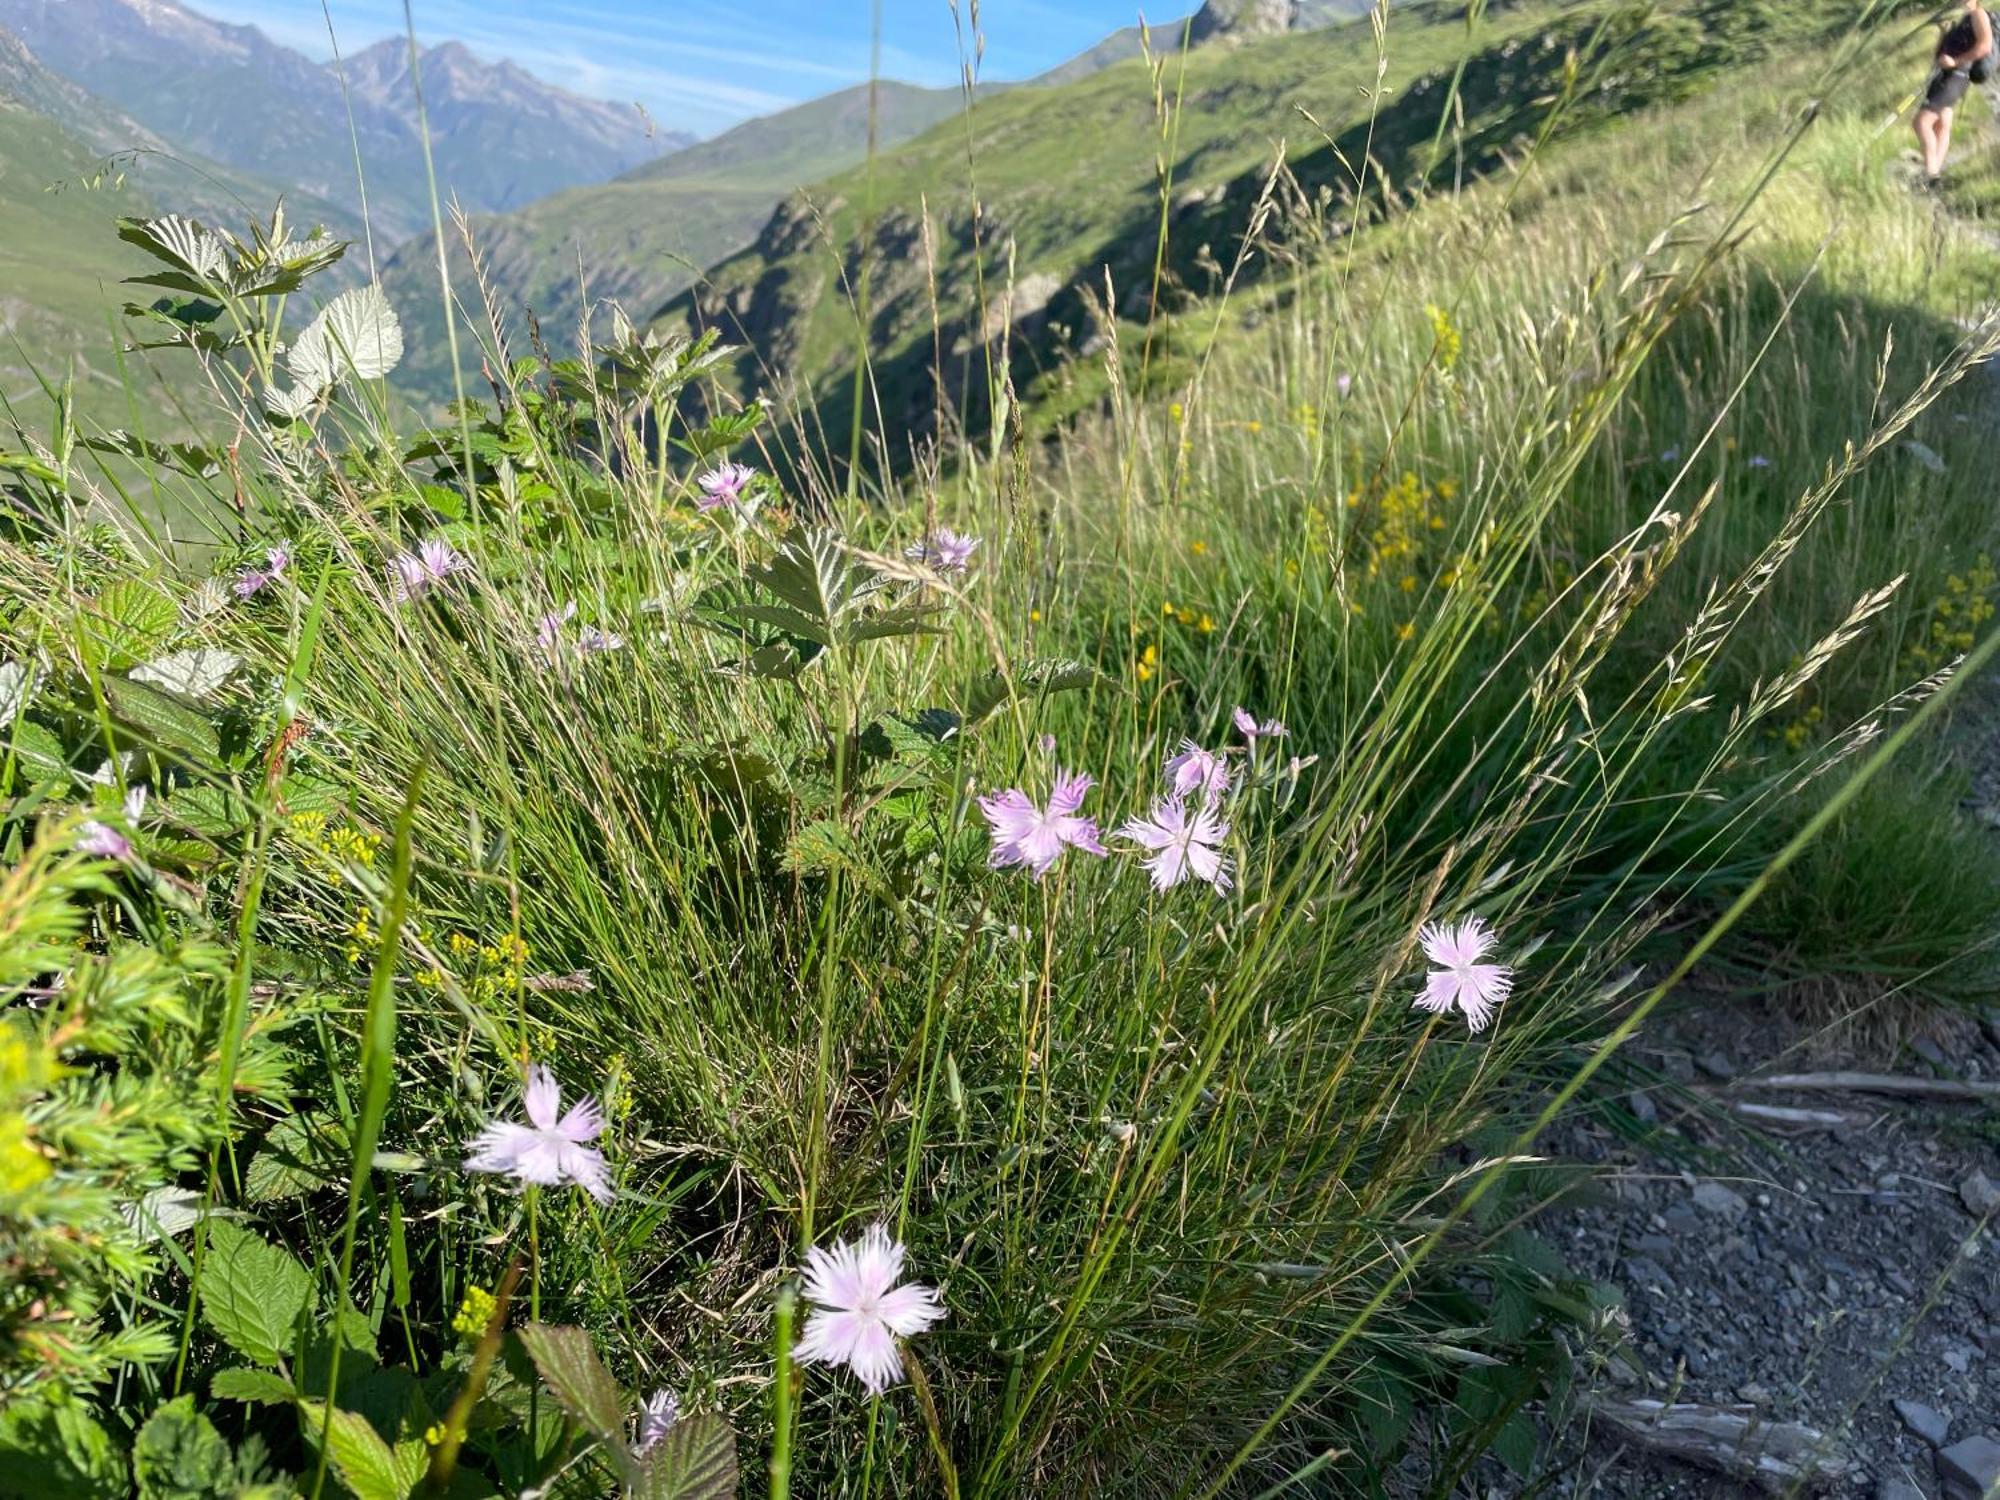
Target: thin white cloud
704,64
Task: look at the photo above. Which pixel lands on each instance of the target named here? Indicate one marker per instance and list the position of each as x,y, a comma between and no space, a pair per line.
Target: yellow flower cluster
1194,619
474,1313
1956,617
360,936
487,970
1801,729
328,851
1445,336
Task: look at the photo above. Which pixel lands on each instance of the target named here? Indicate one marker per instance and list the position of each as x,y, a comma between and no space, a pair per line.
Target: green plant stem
378,1067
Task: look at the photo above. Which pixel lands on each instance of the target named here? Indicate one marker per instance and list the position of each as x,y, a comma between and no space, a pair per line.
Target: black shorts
1947,88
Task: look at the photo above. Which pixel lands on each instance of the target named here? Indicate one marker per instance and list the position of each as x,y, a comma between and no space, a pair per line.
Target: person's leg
1941,133
1927,140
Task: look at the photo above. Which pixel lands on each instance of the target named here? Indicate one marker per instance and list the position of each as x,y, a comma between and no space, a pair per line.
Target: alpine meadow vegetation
592,941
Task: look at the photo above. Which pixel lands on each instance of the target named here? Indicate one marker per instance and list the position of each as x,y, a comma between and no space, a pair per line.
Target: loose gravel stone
1718,1199
1980,1194
1927,1422
1970,1469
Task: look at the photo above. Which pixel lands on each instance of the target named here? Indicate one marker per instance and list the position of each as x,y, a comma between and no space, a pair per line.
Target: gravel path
1836,1277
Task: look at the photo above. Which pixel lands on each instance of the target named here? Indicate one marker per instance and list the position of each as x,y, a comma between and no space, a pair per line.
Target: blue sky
703,65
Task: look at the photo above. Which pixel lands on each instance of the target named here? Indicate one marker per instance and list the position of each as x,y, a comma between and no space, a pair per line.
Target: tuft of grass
1463,494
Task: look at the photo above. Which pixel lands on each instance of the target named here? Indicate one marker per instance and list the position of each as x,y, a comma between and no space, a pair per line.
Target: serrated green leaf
125,624
818,847
576,1377
181,243
908,620
189,458
178,1455
256,1387
299,1155
17,681
252,1294
791,621
695,1460
199,674
356,336
39,751
1516,1442
211,810
162,720
366,1465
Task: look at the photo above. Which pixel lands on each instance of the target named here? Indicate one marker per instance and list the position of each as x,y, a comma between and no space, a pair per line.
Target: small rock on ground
1927,1422
1970,1469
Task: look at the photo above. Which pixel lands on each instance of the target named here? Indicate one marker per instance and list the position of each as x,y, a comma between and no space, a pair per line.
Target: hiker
1964,57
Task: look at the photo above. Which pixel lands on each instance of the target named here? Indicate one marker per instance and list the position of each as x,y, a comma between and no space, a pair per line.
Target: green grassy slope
69,164
59,263
1069,187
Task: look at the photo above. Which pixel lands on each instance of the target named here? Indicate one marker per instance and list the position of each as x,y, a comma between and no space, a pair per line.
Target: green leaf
126,623
357,336
695,1460
55,1447
576,1377
189,458
299,1156
162,719
366,1465
1516,1443
813,572
1036,679
39,750
182,243
212,810
199,674
819,847
252,1294
257,1387
179,1455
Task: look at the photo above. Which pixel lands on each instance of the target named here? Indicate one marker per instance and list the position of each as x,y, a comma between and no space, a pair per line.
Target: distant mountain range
501,138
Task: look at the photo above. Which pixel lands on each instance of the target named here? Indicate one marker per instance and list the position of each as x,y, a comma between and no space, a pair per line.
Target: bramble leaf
252,1294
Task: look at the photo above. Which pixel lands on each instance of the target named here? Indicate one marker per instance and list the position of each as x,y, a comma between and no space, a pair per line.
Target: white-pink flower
1194,769
1182,846
859,1310
414,574
1024,834
723,485
253,581
549,630
1461,981
1247,726
102,841
944,549
657,1416
552,1148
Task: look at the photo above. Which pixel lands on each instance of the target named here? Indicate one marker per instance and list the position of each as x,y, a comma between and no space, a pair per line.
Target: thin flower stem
378,1065
781,1391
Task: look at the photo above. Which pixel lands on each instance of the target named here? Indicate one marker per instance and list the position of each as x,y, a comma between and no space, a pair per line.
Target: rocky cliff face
1240,18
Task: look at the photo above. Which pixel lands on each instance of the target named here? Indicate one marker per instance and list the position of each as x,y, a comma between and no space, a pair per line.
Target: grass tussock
1583,546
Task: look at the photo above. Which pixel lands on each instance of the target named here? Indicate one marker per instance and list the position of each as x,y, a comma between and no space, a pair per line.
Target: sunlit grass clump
552,952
